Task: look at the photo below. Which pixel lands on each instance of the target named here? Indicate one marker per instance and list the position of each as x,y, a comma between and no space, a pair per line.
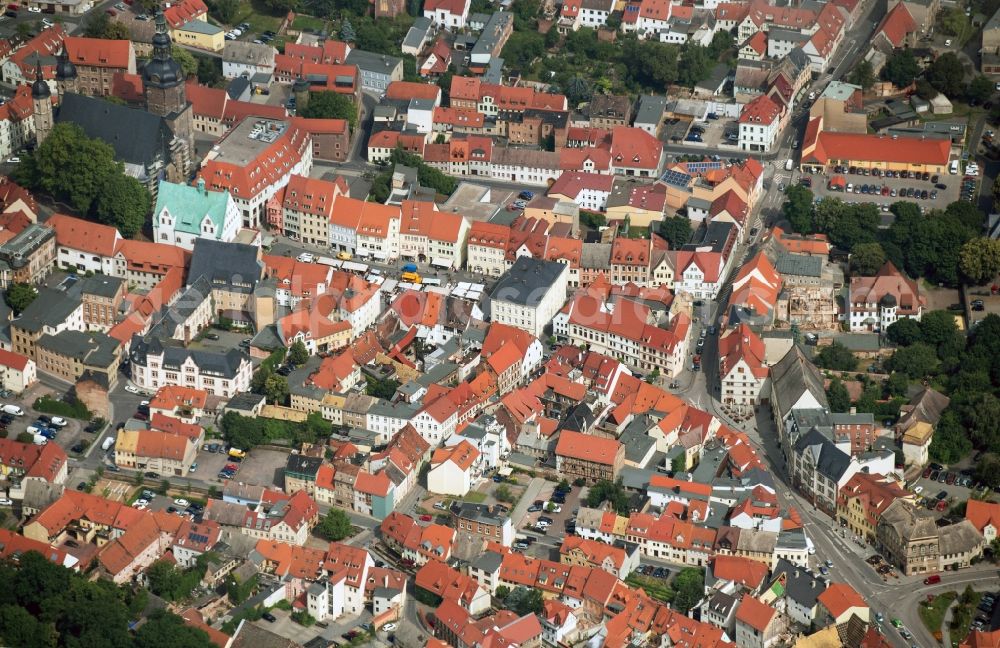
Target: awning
380,256
441,262
506,471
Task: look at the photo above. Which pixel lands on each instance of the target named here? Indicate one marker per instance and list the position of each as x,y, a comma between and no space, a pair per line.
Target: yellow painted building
200,34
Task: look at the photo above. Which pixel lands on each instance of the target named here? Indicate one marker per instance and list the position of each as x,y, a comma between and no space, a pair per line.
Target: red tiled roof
830,145
635,148
100,52
85,236
412,90
897,25
587,447
184,11
462,455
762,110
838,598
755,614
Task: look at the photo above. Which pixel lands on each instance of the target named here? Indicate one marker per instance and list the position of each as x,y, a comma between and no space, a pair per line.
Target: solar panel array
702,167
676,178
198,538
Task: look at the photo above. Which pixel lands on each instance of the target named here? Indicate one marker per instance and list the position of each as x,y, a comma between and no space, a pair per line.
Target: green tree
867,258
504,494
524,600
426,175
689,585
916,361
897,384
225,11
98,24
901,68
577,90
334,526
19,296
164,629
123,203
326,104
189,66
950,443
209,70
946,74
611,492
837,357
502,592
863,75
381,388
904,332
677,230
983,420
25,437
953,21
838,397
278,7
276,389
937,327
988,470
69,166
979,260
522,48
551,38
798,208
980,89
347,33
297,353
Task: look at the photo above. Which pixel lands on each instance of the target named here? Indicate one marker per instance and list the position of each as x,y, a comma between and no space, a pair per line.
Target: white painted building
530,294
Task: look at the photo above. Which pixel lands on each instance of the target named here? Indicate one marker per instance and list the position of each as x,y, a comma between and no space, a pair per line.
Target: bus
236,453
411,277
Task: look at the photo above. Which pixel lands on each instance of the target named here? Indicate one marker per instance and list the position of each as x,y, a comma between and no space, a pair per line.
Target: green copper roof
189,204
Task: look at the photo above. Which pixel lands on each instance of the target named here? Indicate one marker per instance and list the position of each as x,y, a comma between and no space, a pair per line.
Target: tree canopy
677,230
334,526
327,104
44,604
946,74
19,296
901,68
83,172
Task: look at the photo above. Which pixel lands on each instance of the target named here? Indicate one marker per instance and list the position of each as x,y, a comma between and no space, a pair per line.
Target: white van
953,169
789,164
110,441
13,409
40,440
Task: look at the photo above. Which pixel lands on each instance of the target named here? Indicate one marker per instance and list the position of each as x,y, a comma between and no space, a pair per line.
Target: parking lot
558,519
941,189
929,488
261,467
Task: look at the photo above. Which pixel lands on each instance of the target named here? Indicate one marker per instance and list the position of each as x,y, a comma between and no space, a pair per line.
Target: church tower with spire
41,99
66,76
163,83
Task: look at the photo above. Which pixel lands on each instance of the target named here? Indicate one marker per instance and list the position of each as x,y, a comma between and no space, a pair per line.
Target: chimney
201,186
854,410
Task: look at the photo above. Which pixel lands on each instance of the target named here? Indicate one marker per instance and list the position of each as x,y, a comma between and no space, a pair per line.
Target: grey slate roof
303,465
800,586
93,347
488,562
228,266
222,364
831,461
101,285
183,308
527,281
49,308
137,136
799,265
792,377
